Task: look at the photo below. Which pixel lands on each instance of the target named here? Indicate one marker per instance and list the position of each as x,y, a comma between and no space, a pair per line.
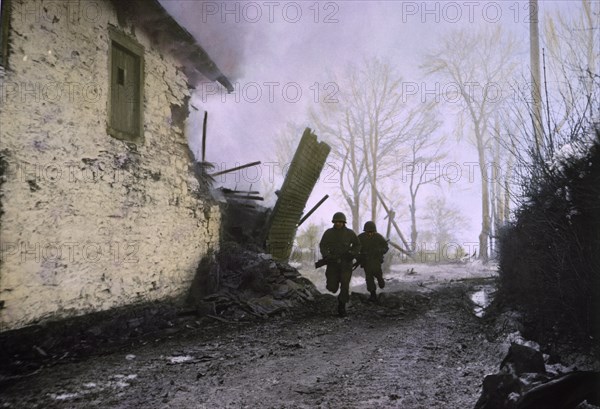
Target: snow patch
180,359
517,338
130,376
64,396
513,397
570,152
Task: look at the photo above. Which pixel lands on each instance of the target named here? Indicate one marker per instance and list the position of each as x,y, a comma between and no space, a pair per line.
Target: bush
550,256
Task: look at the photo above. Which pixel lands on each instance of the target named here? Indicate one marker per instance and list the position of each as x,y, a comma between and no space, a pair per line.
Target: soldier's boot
373,296
380,282
341,308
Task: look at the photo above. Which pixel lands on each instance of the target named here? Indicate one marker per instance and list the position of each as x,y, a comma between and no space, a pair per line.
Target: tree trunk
493,213
485,199
413,224
355,210
355,219
373,204
374,174
507,177
485,216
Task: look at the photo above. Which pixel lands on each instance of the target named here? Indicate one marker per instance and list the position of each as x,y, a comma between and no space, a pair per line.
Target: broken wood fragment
311,211
236,168
399,248
204,136
247,197
222,319
230,191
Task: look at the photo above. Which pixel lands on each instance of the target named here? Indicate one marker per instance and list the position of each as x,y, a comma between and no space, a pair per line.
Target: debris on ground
252,285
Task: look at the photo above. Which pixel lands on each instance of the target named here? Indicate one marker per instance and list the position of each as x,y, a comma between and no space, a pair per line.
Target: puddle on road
482,298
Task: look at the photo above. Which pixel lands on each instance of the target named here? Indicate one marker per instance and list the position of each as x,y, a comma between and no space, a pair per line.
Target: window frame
5,12
127,43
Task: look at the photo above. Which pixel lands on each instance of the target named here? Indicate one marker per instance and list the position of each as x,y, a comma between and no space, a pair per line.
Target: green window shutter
5,8
125,117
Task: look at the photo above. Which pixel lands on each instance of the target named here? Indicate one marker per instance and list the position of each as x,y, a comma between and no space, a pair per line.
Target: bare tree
287,139
571,74
286,142
308,238
572,44
367,129
388,121
423,156
443,224
476,63
502,153
334,124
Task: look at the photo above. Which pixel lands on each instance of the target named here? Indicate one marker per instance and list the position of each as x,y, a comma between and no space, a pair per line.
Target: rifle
321,262
330,259
326,260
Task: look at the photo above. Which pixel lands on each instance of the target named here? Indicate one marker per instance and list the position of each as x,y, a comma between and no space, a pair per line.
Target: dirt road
415,349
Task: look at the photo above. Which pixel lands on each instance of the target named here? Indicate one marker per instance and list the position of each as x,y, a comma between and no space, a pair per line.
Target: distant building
99,207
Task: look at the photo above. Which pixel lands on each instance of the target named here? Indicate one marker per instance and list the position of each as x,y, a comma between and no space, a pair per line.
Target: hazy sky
280,56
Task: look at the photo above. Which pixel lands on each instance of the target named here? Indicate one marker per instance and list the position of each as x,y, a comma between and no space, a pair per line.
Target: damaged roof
166,33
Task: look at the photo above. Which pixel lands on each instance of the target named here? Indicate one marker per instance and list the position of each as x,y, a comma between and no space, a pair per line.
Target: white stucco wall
90,223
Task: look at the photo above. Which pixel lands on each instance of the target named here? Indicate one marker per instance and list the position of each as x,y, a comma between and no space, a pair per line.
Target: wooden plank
302,175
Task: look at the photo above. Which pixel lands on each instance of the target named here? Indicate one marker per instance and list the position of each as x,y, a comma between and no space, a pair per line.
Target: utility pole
536,86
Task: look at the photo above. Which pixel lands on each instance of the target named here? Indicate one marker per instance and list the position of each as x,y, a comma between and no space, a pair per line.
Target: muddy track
412,350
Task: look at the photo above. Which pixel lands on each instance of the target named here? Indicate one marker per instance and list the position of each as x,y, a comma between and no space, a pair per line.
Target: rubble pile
250,285
525,381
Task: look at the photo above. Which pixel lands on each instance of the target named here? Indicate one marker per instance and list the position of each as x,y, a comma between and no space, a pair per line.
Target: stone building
99,206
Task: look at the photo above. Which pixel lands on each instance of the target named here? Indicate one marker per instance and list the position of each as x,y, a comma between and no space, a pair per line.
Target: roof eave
172,37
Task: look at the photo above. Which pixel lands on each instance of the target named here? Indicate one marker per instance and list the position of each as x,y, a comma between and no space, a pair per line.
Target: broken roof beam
303,173
230,191
236,168
247,197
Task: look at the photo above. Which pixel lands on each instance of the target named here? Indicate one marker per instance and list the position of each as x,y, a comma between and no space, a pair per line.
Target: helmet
370,226
339,217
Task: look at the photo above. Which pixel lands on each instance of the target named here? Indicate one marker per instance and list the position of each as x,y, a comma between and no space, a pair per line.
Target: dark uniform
339,246
373,247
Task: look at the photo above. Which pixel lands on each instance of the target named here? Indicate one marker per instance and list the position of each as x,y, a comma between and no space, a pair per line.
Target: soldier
339,246
373,247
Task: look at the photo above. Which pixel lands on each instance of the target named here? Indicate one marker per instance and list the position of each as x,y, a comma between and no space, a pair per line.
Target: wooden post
204,136
390,217
312,210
